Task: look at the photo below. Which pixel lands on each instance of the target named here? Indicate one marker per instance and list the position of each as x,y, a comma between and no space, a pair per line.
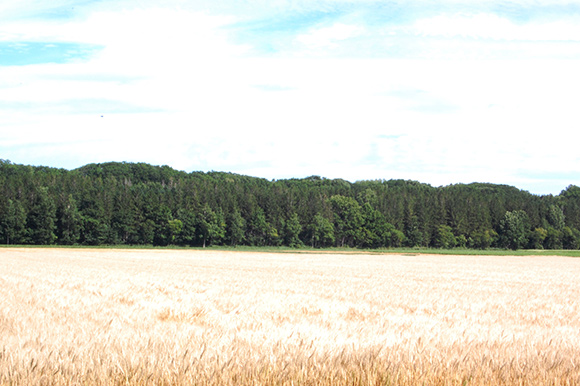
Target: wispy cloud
26,53
495,27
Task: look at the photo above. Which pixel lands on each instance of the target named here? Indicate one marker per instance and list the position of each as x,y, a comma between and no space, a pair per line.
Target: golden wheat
106,317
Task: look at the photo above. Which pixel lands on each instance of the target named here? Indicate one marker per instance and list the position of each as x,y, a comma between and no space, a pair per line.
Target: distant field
183,317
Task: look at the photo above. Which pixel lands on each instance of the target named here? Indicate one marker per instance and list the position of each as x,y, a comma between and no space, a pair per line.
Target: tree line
140,204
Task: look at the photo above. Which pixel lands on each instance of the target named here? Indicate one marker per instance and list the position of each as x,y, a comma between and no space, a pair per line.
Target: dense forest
140,204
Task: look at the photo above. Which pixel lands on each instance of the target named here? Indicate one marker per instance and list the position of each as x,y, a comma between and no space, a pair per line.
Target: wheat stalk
106,317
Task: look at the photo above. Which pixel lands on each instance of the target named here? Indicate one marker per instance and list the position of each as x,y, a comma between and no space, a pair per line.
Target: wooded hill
140,204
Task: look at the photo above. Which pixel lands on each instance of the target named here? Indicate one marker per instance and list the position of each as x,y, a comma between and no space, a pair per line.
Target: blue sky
440,92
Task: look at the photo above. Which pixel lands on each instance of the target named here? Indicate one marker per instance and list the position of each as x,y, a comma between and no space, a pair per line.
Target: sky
442,92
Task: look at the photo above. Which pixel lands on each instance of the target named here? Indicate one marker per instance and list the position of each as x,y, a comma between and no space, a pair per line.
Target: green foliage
537,237
514,229
187,235
41,218
260,230
69,222
211,225
395,238
321,232
569,200
140,204
553,238
348,220
482,239
13,223
570,238
236,229
374,226
461,241
124,227
95,232
444,237
161,219
556,217
175,227
292,230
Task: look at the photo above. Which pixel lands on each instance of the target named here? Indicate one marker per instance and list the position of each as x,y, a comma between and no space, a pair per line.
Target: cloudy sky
442,92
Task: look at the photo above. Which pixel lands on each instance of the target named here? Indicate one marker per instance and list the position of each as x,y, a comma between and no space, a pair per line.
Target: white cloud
491,26
328,121
329,37
202,102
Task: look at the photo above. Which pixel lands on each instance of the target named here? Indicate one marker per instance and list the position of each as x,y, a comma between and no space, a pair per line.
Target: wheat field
179,317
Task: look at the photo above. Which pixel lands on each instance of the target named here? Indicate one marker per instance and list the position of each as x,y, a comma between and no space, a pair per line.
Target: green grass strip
398,251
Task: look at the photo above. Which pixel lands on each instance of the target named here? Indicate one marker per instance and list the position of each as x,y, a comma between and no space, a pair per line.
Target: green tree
187,236
368,196
175,228
373,232
553,238
211,225
260,231
461,241
236,229
570,199
135,204
414,237
69,222
537,237
570,238
161,217
321,232
395,238
13,223
292,230
41,218
514,229
444,237
123,219
482,239
556,217
93,231
145,232
348,219
220,232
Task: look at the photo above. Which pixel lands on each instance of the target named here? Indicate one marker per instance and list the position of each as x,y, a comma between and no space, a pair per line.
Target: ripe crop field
179,317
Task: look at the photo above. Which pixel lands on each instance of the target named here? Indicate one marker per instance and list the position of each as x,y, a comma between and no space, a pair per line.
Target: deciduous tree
348,219
321,232
292,230
514,229
444,237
